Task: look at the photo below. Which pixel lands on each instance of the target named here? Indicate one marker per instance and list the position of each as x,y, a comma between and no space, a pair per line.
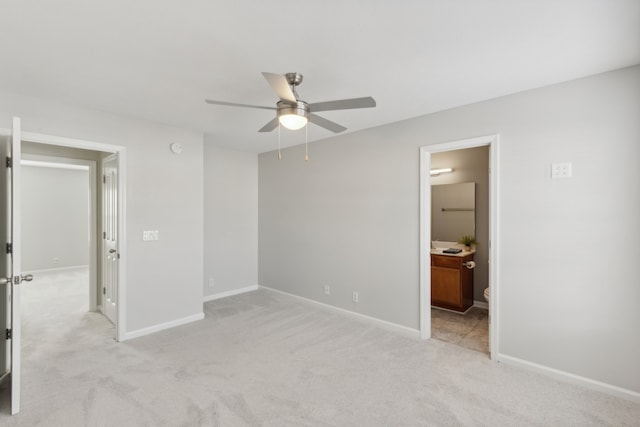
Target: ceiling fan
294,113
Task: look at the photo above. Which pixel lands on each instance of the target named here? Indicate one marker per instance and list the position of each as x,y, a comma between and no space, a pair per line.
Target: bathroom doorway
459,182
470,161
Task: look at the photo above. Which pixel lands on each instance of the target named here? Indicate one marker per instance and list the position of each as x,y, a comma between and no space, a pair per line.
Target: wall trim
161,327
390,326
481,304
570,378
230,293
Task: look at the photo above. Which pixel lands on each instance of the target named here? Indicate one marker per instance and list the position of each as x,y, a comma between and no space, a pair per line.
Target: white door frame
121,152
93,253
425,232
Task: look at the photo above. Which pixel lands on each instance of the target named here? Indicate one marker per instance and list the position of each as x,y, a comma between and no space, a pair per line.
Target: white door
11,275
110,237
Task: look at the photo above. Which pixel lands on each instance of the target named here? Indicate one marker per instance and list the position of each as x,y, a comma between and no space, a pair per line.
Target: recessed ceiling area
158,60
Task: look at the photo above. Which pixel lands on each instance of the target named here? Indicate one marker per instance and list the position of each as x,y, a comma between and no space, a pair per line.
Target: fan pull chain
279,153
306,142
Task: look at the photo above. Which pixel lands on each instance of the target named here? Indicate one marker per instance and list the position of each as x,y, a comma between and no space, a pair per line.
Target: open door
5,260
10,270
110,254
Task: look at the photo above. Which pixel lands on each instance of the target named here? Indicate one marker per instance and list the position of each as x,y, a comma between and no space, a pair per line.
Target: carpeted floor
266,359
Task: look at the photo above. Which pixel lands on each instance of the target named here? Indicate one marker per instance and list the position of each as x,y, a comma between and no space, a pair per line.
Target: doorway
427,155
460,207
11,308
59,220
76,156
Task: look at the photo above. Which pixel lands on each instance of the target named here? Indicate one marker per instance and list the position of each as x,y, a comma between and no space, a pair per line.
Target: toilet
486,294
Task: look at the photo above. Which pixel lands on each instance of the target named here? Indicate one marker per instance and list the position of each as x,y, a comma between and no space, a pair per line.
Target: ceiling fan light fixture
291,116
293,121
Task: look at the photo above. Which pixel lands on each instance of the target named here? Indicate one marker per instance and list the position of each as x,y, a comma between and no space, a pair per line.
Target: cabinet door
445,286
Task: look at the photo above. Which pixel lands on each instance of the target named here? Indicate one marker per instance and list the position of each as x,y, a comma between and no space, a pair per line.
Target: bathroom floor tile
470,330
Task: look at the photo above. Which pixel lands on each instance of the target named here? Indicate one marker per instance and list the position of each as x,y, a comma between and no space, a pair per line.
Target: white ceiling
159,59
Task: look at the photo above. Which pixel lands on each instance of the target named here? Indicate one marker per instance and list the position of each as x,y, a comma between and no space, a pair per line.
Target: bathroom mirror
453,211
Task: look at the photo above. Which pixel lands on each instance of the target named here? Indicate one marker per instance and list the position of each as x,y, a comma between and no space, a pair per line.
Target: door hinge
104,234
9,162
8,334
9,248
104,179
104,291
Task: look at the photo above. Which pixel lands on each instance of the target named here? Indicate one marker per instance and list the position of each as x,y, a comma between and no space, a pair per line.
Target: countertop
438,251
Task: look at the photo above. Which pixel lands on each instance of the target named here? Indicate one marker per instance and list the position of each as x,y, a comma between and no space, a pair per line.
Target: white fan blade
281,87
327,124
269,126
235,104
343,104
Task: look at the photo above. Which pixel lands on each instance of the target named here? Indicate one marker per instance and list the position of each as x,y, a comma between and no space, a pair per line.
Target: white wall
568,293
164,192
231,220
55,218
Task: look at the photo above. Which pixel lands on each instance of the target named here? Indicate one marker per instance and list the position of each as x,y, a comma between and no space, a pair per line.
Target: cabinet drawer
445,261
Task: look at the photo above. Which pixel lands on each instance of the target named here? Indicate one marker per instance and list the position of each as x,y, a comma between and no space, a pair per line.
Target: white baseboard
571,378
162,326
229,293
394,327
481,304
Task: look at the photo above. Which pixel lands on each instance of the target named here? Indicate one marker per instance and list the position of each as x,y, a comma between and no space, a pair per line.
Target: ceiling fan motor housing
300,108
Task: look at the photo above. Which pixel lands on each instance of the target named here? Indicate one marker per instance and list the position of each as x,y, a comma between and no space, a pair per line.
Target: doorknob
112,251
17,279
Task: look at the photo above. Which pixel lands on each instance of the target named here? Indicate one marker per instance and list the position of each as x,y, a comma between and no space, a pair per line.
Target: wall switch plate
355,297
560,170
327,290
211,282
150,235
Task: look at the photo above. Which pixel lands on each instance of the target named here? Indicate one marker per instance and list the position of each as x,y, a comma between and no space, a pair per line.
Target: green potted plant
468,241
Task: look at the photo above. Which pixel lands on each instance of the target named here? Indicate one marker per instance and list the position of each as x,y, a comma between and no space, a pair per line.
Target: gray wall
55,218
350,219
471,165
164,192
231,220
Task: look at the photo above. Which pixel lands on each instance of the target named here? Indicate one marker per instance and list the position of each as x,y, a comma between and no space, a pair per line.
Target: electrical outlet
560,170
211,283
327,290
355,296
56,260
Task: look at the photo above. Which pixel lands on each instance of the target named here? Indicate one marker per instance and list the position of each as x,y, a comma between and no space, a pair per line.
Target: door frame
120,327
93,206
425,232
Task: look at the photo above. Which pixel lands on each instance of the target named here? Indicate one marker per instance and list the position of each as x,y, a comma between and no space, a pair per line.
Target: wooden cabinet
451,282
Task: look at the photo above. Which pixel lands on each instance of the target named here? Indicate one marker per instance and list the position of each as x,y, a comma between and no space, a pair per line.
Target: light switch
561,170
150,235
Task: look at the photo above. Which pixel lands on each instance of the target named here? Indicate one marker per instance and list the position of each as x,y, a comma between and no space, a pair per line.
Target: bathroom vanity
452,280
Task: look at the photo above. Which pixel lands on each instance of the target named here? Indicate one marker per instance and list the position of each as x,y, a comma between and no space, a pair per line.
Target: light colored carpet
266,359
